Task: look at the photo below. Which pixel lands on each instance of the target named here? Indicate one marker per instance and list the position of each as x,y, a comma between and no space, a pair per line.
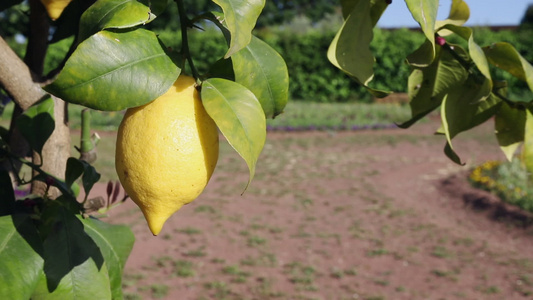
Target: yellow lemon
55,7
166,152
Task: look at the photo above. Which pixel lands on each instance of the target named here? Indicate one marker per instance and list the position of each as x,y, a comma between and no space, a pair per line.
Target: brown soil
358,215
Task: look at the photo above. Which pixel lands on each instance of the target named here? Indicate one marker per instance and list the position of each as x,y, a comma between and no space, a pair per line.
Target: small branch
185,24
17,78
87,143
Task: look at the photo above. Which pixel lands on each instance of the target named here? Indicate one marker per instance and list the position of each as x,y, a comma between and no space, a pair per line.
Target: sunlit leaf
263,71
37,123
506,57
423,56
509,125
463,109
240,17
115,243
74,267
118,14
428,86
376,10
527,151
116,70
459,14
20,257
475,51
425,13
350,49
238,115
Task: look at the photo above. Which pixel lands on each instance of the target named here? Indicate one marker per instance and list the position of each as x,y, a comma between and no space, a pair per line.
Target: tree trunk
22,81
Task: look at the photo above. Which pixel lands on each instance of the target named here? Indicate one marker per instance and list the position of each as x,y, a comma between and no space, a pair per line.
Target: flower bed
508,180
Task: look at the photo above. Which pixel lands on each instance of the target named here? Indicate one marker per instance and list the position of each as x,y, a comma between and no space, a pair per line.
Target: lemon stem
185,23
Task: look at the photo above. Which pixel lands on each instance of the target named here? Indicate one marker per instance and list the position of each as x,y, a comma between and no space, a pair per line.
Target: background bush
312,78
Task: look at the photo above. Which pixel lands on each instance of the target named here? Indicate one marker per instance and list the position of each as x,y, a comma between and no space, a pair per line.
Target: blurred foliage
303,40
527,19
14,20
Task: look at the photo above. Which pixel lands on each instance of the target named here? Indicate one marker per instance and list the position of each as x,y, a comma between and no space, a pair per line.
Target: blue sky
482,13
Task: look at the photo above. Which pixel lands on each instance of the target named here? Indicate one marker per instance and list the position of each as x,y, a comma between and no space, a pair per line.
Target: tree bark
17,78
21,79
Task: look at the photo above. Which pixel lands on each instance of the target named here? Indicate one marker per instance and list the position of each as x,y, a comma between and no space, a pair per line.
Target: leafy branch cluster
444,75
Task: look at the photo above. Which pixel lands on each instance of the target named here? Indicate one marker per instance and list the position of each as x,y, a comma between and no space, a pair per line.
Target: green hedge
312,77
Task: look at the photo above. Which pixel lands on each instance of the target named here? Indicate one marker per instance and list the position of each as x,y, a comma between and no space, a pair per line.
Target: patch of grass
441,252
131,279
162,260
255,241
205,209
183,268
188,230
130,296
196,252
301,275
337,273
377,252
220,288
158,291
445,274
275,230
264,259
218,260
328,116
382,282
400,289
464,241
490,290
239,276
264,289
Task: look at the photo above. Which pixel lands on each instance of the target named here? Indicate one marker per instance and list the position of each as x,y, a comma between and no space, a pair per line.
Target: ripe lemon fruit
166,152
54,8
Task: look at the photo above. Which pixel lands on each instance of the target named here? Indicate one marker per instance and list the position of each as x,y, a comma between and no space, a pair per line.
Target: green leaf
116,70
222,68
20,257
475,51
506,57
527,151
350,49
464,109
90,176
105,14
428,86
263,71
115,243
8,3
77,167
37,123
423,56
238,115
74,267
459,14
425,13
240,17
510,129
7,195
73,171
377,8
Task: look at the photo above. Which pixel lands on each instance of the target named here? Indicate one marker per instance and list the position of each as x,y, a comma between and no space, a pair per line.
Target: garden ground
356,215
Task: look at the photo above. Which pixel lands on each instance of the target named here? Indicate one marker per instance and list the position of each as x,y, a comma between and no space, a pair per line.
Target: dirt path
364,215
